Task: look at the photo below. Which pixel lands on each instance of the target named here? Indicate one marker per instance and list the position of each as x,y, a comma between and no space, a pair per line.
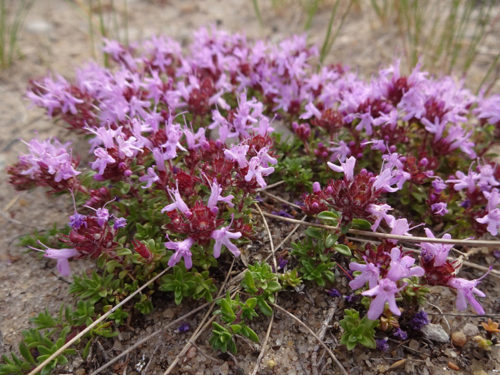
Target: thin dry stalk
269,327
342,369
202,326
95,323
147,338
321,335
392,236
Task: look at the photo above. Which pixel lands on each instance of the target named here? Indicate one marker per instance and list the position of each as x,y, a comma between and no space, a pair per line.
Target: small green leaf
315,233
361,224
331,217
343,249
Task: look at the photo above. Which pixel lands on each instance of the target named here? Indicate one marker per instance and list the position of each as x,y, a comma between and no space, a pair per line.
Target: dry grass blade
147,338
95,323
392,236
202,326
268,332
334,358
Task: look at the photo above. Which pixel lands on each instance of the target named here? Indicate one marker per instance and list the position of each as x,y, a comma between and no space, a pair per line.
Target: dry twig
342,369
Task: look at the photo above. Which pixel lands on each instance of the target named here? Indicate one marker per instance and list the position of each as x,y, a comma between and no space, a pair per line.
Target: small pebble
479,372
435,333
459,339
470,330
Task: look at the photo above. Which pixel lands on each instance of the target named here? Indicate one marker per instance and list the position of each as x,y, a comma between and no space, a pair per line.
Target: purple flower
346,167
382,345
76,221
215,196
465,293
439,208
178,203
182,250
282,262
380,213
102,215
238,154
50,154
438,184
492,218
333,293
316,187
103,159
150,178
223,236
464,181
384,292
401,267
419,320
369,273
120,222
257,171
400,334
184,327
61,255
437,251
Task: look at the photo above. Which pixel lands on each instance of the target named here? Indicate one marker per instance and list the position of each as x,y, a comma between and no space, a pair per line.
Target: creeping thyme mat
381,191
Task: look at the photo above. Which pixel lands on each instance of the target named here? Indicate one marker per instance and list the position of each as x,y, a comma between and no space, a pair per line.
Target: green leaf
316,233
361,224
250,333
343,249
331,217
264,307
330,240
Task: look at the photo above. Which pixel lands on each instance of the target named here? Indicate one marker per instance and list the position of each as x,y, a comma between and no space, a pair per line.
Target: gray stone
470,330
435,333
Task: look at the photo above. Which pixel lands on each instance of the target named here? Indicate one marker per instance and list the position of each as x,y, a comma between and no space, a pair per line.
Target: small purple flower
61,255
102,215
150,178
178,203
369,273
76,221
380,213
182,250
419,320
184,327
465,293
333,293
120,222
215,196
401,267
440,208
223,237
384,292
346,167
400,334
282,262
382,345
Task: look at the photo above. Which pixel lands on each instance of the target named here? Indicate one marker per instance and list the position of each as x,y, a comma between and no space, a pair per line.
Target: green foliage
295,172
12,17
315,255
48,335
234,314
260,281
186,283
357,331
291,278
96,287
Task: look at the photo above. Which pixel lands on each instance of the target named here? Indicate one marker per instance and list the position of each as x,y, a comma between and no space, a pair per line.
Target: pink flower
465,292
61,255
215,196
369,273
150,178
380,212
178,203
401,267
238,154
437,251
182,250
255,169
384,292
346,167
223,237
